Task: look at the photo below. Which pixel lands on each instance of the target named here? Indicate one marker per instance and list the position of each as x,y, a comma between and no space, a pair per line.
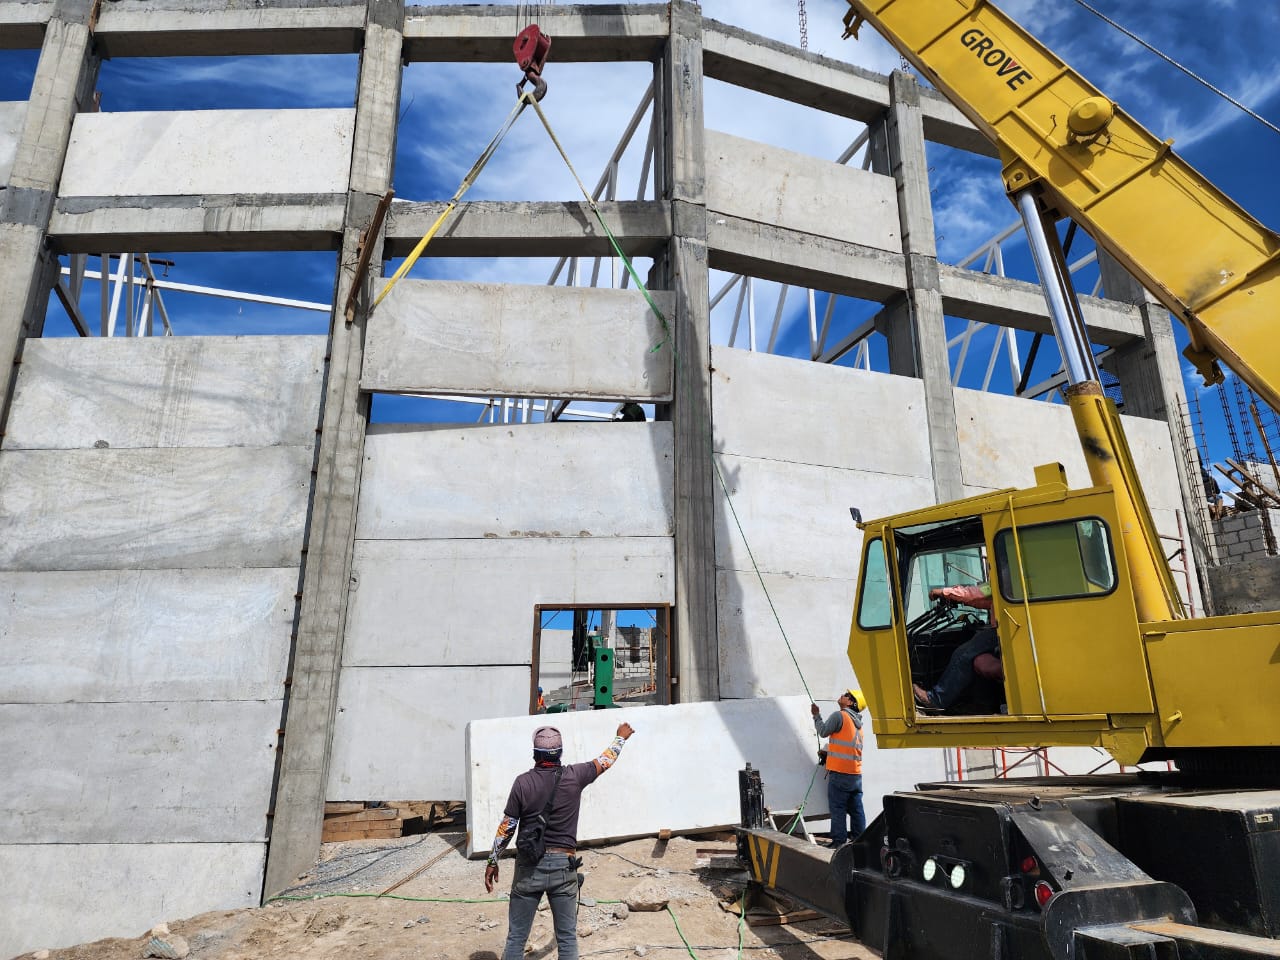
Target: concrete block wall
1243,536
153,494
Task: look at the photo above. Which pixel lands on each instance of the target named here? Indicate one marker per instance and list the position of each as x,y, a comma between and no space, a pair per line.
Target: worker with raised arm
958,673
844,765
544,803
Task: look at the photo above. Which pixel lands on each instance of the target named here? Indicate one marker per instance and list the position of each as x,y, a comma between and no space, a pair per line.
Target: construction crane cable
1174,63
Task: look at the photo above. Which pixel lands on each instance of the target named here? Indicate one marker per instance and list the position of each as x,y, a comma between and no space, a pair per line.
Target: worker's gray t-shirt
529,795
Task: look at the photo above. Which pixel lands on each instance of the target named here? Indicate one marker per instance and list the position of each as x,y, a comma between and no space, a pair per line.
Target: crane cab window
875,604
1058,561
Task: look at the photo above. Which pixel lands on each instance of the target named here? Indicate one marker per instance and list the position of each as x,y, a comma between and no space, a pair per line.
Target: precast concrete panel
167,392
795,516
144,509
515,340
145,635
154,153
512,481
71,893
779,408
653,786
137,772
399,730
466,602
814,612
770,185
12,115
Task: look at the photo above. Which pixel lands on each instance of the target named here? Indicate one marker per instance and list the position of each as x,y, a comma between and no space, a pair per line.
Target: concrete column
1150,375
326,579
683,156
63,85
914,324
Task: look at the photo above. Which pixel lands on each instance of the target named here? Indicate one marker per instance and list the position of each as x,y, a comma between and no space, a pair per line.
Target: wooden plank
368,833
361,816
342,808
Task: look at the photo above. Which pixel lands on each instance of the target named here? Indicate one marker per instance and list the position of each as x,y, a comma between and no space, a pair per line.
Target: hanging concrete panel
779,408
399,730
167,392
648,789
796,516
143,509
12,115
142,635
815,613
482,339
178,153
770,185
513,481
71,893
156,772
461,602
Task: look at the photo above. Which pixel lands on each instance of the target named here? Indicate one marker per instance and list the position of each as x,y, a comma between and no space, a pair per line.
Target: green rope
800,811
685,939
742,919
383,896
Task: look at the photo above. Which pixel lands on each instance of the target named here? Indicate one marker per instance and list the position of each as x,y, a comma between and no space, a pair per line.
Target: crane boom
1215,267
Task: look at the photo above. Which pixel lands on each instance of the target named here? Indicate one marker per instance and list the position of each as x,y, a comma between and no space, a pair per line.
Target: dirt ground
443,912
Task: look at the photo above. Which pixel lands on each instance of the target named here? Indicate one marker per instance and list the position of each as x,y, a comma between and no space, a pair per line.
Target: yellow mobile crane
1094,646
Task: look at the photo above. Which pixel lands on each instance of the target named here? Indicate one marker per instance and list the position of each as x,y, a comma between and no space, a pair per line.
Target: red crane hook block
531,49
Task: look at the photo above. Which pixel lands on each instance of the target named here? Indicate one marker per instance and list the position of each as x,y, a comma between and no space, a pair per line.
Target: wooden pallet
355,821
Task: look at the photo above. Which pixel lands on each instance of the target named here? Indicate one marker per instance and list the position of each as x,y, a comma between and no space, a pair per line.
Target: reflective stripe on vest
844,748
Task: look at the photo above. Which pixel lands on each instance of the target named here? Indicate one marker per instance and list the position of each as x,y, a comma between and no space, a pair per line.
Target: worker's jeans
958,674
844,797
557,877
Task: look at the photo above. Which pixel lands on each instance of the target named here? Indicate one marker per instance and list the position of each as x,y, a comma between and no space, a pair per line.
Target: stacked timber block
356,821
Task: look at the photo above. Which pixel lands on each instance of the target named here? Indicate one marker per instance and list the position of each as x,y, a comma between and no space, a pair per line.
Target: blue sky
448,112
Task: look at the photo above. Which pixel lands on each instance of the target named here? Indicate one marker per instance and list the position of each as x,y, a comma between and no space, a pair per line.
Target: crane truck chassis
1176,864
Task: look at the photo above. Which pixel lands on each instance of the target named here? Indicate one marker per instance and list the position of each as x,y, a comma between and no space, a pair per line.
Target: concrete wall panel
143,509
778,408
649,787
167,392
815,612
142,635
399,731
770,185
72,893
796,516
464,338
208,152
532,480
461,602
12,115
138,772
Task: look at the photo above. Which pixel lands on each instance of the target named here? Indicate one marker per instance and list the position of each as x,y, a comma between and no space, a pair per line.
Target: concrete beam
22,23
197,223
780,70
986,298
580,34
511,229
801,259
218,28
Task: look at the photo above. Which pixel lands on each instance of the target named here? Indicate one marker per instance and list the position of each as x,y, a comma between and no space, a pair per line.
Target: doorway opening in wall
594,657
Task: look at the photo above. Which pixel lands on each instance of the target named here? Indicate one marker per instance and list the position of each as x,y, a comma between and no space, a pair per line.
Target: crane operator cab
1005,618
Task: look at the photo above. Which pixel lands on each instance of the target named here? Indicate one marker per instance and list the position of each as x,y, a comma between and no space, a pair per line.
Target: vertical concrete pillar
914,324
63,84
1150,375
326,579
683,157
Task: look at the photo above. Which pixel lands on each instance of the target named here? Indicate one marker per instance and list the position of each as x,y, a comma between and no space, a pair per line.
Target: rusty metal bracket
364,253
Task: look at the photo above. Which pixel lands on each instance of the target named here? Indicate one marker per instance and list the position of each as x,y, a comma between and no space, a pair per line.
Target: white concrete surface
155,153
399,730
516,340
72,893
770,185
779,408
143,509
12,115
137,772
664,779
167,392
462,602
508,481
142,635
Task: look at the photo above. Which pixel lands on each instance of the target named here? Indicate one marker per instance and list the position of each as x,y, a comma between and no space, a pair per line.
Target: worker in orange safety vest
844,765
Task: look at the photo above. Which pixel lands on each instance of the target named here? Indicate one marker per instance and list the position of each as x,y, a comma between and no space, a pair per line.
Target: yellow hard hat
859,702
